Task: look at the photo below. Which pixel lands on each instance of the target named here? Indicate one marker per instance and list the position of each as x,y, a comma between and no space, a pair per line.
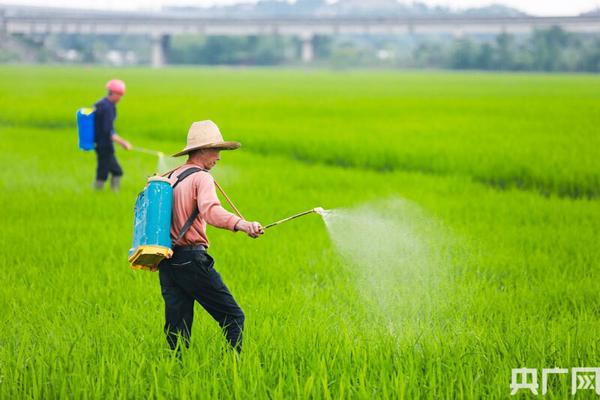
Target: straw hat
206,135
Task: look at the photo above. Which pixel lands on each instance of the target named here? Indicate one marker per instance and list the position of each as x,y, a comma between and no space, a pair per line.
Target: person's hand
253,229
126,145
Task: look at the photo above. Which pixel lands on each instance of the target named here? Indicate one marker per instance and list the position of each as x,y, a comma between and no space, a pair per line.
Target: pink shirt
198,190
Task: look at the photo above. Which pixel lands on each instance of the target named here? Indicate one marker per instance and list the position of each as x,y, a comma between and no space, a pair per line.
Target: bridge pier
160,46
2,24
308,48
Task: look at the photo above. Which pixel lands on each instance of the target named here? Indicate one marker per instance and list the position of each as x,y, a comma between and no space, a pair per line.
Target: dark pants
189,276
107,163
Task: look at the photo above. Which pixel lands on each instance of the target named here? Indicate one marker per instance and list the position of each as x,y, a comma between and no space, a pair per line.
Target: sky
534,7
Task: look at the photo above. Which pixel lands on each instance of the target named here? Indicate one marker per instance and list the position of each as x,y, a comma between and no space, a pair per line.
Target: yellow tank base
148,257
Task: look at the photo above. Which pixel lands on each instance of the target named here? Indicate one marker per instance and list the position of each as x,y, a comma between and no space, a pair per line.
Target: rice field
464,243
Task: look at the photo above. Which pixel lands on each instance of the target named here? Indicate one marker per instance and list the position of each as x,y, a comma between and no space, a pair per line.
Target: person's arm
124,143
213,213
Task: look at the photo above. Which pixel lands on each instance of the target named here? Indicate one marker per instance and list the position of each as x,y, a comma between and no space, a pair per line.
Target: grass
495,128
505,164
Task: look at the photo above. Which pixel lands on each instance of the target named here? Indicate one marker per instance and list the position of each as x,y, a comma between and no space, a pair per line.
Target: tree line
552,49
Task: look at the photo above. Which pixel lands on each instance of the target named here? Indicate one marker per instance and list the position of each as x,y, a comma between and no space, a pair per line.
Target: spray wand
147,151
316,210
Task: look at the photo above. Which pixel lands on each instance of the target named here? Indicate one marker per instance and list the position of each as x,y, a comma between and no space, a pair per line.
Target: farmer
105,135
190,275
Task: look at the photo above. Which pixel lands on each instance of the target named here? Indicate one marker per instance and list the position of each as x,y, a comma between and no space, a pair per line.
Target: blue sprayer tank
85,128
152,225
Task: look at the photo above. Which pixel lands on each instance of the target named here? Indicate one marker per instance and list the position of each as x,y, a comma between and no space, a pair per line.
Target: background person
190,274
106,113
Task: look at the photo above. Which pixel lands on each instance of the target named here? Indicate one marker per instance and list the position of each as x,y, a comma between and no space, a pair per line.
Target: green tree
485,57
591,56
547,47
464,54
505,52
430,55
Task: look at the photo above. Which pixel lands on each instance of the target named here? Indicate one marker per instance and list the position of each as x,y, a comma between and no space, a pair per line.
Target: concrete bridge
161,25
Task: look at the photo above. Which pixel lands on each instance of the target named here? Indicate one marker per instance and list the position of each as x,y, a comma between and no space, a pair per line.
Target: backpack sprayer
152,221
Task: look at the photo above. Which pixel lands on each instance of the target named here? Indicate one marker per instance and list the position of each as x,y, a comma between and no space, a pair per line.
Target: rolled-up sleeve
209,205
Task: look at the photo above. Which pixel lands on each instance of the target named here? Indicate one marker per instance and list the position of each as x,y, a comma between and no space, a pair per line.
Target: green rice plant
512,274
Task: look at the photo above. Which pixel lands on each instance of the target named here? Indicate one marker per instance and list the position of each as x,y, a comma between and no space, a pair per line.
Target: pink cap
116,86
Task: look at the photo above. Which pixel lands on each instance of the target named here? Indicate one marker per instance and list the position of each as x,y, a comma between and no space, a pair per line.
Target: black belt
198,247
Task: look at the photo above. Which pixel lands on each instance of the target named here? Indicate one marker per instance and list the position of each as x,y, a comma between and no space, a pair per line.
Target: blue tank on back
152,225
86,128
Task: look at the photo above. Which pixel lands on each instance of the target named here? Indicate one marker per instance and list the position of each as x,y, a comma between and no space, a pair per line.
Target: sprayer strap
185,174
188,223
195,213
